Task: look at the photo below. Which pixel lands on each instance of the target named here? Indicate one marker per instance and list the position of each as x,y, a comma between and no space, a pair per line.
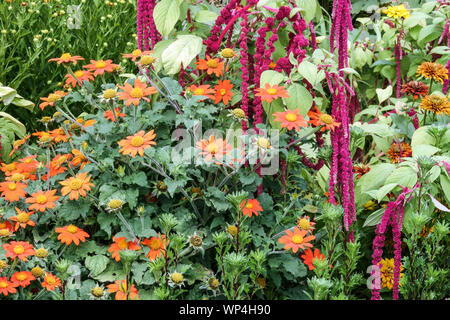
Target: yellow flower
387,273
396,12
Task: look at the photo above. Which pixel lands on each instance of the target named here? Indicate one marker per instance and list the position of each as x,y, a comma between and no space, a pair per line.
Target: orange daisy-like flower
223,92
290,119
6,225
296,240
308,257
42,200
12,191
121,244
22,219
58,135
433,70
100,66
79,159
17,144
71,233
76,186
137,143
270,93
157,246
28,164
305,223
6,287
80,75
398,151
250,206
133,95
318,118
436,104
67,58
51,99
120,288
136,54
211,65
202,90
213,148
361,170
51,282
19,249
9,168
22,278
110,116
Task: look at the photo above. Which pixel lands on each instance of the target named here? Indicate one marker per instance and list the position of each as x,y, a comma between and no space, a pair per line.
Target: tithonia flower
305,224
295,240
42,200
133,95
51,99
202,90
318,118
436,104
308,256
270,93
80,77
433,70
12,191
58,135
415,88
17,144
387,273
76,186
121,244
211,65
79,159
157,246
290,119
137,143
22,278
109,115
6,287
22,219
100,66
135,54
213,148
227,53
67,58
28,164
397,151
223,92
250,206
396,12
19,249
51,282
120,288
361,170
71,233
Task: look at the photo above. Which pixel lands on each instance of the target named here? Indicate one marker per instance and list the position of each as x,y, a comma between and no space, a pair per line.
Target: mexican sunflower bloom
71,233
157,246
305,224
211,65
109,115
396,12
6,287
202,90
387,273
120,288
295,240
213,148
19,249
22,219
76,186
80,77
121,244
249,207
436,104
137,143
223,92
67,58
79,159
308,257
415,88
134,94
136,54
100,66
12,191
28,164
50,282
42,200
270,93
51,99
22,278
318,118
290,119
17,144
397,151
361,170
433,70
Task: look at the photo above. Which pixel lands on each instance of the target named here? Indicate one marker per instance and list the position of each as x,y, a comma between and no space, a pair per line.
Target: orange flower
22,278
290,119
120,288
202,90
322,119
361,170
136,54
6,287
157,245
223,91
71,233
296,240
121,244
305,223
12,191
137,143
51,282
81,76
22,219
79,159
76,186
398,151
100,66
42,200
133,95
270,93
51,99
17,144
67,58
56,165
251,206
213,148
110,116
211,65
6,225
58,135
308,257
28,164
19,249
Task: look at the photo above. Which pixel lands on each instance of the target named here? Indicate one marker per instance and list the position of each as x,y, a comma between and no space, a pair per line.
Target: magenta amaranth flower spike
146,28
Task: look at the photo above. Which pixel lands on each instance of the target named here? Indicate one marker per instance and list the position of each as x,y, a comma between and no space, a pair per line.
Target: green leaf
271,77
19,127
384,190
166,14
181,51
96,264
310,72
308,8
445,184
404,176
299,98
384,94
374,218
424,150
428,34
421,136
205,16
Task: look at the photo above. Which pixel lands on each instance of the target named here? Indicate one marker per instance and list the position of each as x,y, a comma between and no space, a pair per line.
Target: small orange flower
110,116
6,225
322,119
251,206
9,168
136,54
361,170
22,219
28,164
290,119
51,282
67,58
202,90
17,144
223,92
211,66
121,244
305,223
296,240
120,288
79,159
58,135
71,233
76,186
398,151
12,191
6,287
80,75
19,249
22,278
213,148
100,66
51,99
308,257
270,93
42,200
133,95
157,246
137,143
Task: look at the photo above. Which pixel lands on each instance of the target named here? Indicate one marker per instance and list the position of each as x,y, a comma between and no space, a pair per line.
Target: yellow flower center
238,113
122,244
137,141
212,148
137,53
16,177
11,167
72,229
263,143
223,92
177,277
115,203
97,292
3,284
19,249
4,232
304,224
232,230
23,217
212,63
41,253
272,91
155,244
109,93
146,60
326,118
66,56
53,97
291,117
21,276
137,93
249,206
199,92
41,199
213,283
37,272
12,186
227,53
50,280
297,239
79,74
76,184
100,64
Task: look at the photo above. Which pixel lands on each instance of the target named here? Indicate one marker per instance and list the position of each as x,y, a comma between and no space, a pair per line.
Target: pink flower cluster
146,29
